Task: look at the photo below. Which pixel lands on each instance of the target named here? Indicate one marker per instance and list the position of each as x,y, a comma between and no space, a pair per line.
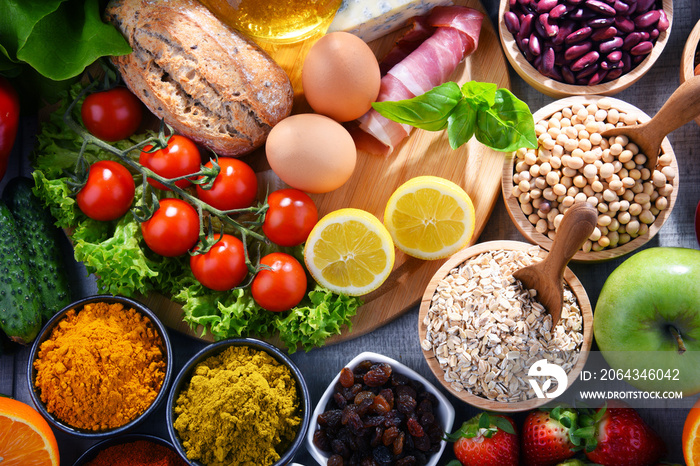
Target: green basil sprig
496,117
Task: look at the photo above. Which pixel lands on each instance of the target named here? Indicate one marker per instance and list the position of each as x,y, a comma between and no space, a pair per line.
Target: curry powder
241,407
101,367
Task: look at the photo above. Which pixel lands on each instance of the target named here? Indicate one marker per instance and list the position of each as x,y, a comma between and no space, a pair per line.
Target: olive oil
275,20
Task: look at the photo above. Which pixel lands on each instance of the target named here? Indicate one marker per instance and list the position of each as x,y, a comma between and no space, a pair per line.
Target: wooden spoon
679,109
547,276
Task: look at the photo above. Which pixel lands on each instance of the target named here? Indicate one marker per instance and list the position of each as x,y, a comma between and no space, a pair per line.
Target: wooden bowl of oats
481,332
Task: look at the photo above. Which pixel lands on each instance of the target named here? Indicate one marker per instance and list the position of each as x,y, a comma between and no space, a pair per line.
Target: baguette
204,79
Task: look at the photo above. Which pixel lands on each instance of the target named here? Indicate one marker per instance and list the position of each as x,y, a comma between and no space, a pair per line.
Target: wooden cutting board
473,166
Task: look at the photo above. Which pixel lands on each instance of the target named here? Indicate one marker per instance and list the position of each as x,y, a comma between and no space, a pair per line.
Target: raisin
376,437
380,405
330,418
427,419
340,400
353,421
388,395
414,428
368,461
398,444
378,375
374,421
360,397
422,443
434,432
424,406
363,367
340,448
335,460
382,455
347,378
406,461
406,404
398,379
390,435
406,390
322,441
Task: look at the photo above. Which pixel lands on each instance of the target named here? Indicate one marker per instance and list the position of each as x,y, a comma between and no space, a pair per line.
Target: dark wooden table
399,339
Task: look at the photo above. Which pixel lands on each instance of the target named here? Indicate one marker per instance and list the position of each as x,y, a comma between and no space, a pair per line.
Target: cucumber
40,236
20,308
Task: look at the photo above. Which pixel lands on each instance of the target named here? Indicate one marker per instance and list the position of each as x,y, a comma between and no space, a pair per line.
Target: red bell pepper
9,120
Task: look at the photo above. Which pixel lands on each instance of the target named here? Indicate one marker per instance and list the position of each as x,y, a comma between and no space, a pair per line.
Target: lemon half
349,251
430,217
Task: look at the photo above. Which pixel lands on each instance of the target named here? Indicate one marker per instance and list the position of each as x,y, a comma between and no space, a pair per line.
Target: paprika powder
137,453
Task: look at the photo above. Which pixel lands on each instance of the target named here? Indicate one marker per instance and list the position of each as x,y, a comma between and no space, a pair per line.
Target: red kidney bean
577,51
587,72
624,24
610,45
631,40
550,27
663,23
534,44
565,28
626,62
544,6
601,22
526,26
647,19
614,74
578,35
512,22
642,48
601,7
568,75
597,77
524,2
621,7
512,3
548,59
654,34
560,10
574,2
585,61
644,5
614,57
602,34
610,65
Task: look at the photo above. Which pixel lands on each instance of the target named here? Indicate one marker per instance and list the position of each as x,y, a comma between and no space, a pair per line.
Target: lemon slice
430,217
349,251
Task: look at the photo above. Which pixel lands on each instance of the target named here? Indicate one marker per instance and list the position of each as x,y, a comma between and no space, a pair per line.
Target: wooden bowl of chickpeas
574,163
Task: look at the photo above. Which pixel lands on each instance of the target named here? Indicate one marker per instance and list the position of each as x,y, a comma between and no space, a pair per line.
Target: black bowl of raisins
377,408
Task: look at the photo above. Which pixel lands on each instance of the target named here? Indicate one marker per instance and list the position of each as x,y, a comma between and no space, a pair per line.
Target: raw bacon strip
429,65
419,31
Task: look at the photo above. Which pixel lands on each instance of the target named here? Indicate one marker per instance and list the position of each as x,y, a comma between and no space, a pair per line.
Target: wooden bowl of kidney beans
583,47
690,60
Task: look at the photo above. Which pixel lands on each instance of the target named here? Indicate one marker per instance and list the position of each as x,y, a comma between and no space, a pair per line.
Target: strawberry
548,436
486,440
622,438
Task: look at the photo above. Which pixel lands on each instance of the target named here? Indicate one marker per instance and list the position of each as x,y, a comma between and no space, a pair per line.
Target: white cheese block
371,19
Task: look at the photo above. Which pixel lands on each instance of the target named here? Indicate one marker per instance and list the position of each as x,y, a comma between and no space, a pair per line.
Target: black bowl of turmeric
131,450
100,366
239,401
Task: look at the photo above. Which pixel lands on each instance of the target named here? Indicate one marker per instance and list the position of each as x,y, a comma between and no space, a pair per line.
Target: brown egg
311,152
340,76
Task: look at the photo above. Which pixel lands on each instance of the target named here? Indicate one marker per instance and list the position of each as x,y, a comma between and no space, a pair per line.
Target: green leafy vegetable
496,117
116,253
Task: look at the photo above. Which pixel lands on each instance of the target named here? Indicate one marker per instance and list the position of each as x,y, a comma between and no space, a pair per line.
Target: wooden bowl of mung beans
574,163
594,47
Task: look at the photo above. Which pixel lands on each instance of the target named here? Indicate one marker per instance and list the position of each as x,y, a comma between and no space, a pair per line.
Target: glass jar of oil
276,20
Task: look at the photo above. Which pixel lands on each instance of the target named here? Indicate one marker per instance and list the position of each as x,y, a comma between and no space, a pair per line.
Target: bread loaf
204,79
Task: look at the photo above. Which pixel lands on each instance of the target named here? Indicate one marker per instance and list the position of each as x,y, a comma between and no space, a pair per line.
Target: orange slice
26,439
691,436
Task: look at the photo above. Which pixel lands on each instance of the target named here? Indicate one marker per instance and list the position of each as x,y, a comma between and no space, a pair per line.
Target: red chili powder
138,453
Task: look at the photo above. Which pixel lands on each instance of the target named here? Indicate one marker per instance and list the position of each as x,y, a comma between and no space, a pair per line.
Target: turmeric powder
241,407
101,367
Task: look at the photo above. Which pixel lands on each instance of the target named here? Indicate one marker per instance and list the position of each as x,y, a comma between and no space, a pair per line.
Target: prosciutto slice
455,35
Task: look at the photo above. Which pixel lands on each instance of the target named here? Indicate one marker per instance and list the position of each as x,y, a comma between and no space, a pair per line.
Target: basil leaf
93,39
427,111
461,124
506,126
480,95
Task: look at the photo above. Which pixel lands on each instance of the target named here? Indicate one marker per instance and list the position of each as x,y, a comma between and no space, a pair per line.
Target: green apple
647,318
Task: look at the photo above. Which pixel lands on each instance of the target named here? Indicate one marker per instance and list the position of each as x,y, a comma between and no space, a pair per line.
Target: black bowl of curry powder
100,366
239,401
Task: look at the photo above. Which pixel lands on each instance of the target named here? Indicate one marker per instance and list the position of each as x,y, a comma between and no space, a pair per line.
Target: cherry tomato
173,229
290,218
223,266
112,115
108,192
180,158
234,188
281,288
